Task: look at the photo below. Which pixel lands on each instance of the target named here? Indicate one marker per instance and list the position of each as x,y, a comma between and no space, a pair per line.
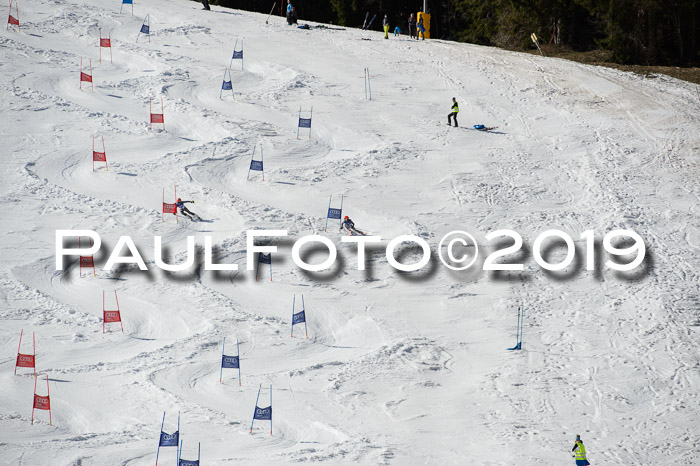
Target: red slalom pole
48,395
121,322
33,399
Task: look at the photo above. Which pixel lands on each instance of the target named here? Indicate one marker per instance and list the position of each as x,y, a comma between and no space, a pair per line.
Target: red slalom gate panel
106,43
42,402
169,208
13,20
84,77
99,156
158,118
86,262
111,315
26,360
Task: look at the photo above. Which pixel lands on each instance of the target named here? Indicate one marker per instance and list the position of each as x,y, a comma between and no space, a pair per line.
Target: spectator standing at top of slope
206,4
289,12
294,16
455,111
412,26
386,26
580,452
421,28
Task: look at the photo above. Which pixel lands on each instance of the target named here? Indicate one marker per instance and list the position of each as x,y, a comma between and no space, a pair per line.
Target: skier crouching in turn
455,111
349,225
580,452
184,210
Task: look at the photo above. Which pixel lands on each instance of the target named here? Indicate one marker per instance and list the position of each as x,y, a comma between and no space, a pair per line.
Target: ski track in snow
398,369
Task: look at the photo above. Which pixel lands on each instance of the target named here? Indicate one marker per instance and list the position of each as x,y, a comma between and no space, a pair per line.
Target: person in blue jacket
289,12
421,28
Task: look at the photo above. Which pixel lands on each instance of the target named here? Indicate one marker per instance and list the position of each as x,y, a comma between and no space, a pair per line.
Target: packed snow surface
399,368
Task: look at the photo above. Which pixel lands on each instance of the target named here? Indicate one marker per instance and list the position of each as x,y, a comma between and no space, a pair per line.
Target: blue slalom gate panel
335,213
263,414
256,165
230,362
304,122
227,86
145,29
237,54
169,440
298,318
189,462
264,258
127,2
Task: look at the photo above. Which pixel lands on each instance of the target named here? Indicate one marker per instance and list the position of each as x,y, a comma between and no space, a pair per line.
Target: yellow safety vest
455,107
580,451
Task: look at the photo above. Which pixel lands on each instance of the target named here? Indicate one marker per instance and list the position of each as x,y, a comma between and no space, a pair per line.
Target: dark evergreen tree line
646,32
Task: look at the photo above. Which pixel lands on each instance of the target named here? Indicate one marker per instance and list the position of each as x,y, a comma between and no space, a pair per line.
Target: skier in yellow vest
455,111
580,452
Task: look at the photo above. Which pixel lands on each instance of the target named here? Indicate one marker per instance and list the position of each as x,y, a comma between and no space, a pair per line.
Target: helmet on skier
346,217
179,200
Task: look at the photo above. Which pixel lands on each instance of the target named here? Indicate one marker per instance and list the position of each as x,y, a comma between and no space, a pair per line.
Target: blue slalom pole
256,408
159,435
179,452
251,159
221,370
261,158
311,117
329,208
270,409
518,333
522,320
222,86
239,362
298,122
234,52
340,220
294,299
303,308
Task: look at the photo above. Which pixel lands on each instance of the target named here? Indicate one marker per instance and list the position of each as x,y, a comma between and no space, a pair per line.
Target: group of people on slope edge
416,29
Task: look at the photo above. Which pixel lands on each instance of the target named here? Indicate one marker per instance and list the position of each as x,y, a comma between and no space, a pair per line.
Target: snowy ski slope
401,369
